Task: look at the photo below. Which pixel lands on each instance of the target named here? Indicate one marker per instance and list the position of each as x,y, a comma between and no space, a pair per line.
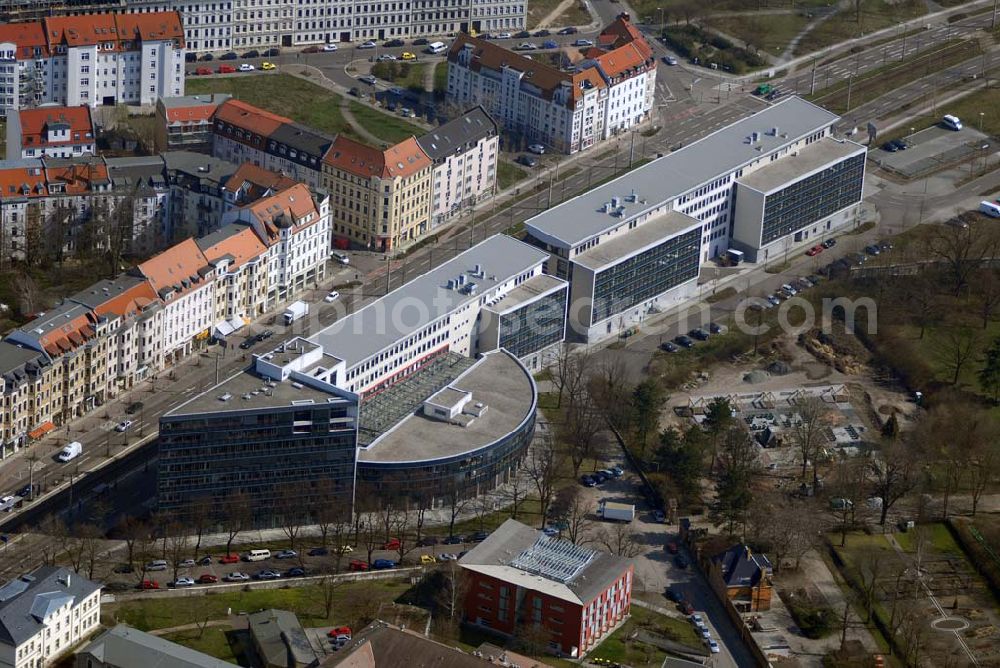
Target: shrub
720,42
957,17
815,621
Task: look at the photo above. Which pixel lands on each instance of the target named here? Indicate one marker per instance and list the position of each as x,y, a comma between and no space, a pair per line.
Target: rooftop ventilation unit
451,283
461,279
774,131
477,270
755,137
225,397
616,202
631,197
606,208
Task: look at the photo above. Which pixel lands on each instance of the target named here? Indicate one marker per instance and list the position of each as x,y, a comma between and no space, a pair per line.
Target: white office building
769,183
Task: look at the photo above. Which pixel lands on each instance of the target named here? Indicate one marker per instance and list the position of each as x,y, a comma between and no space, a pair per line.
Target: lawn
892,75
574,15
618,648
508,174
968,108
934,343
391,129
770,33
407,75
875,15
441,78
538,10
213,642
940,540
354,603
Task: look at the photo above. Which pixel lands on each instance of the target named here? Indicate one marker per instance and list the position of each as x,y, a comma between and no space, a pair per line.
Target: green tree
718,419
682,456
739,465
989,374
648,398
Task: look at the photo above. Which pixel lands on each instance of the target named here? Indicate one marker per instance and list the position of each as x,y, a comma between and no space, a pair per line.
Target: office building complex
44,614
609,91
520,579
94,59
464,154
773,181
227,442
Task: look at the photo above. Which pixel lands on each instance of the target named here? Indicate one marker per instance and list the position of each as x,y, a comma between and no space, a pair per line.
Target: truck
71,451
295,311
619,512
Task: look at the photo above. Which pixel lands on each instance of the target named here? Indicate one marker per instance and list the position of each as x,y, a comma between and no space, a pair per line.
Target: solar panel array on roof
554,559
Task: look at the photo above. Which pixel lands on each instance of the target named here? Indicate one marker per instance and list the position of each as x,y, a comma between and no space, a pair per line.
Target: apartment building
381,199
25,391
140,185
610,91
196,192
519,577
93,59
250,183
245,133
241,264
50,132
381,344
295,227
45,613
771,182
464,155
185,123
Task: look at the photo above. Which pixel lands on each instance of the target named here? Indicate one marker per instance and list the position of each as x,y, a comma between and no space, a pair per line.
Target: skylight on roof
554,559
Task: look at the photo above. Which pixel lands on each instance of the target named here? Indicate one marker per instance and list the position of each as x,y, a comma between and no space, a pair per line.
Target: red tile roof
131,301
285,209
68,335
179,268
151,26
27,36
243,246
621,32
401,160
623,61
35,124
18,182
89,29
255,181
249,117
199,113
77,177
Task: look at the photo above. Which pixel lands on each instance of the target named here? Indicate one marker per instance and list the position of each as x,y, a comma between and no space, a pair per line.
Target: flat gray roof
810,158
125,646
496,380
193,163
649,233
412,306
581,218
194,100
530,289
280,395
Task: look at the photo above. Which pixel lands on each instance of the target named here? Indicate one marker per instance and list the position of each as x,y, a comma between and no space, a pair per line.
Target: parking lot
933,149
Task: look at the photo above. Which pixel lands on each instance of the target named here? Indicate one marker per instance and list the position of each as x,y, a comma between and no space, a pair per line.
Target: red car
391,544
201,71
339,631
207,578
148,584
230,559
226,69
815,250
357,565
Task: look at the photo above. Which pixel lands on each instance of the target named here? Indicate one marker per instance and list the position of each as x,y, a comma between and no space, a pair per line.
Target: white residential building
610,92
44,614
93,59
296,230
464,154
50,132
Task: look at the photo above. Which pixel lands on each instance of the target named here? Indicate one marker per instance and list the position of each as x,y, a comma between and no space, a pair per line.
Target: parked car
339,631
815,250
252,53
698,333
357,565
286,554
122,568
670,60
267,67
872,249
716,328
686,607
669,347
522,34
393,43
885,246
391,544
246,67
568,30
206,58
203,71
187,563
184,582
205,561
479,536
368,79
148,584
526,160
386,57
713,646
583,42
229,56
230,559
383,564
331,297
453,540
542,33
675,595
225,69
501,35
829,243
617,471
549,44
421,41
890,147
525,46
683,341
367,45
659,516
124,425
537,149
550,531
407,55
134,407
268,574
272,52
318,552
426,559
427,541
295,572
447,556
681,561
236,576
329,47
207,578
672,547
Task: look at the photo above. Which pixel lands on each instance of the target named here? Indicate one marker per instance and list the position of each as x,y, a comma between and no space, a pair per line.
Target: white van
436,47
157,565
340,257
71,451
990,209
258,555
951,122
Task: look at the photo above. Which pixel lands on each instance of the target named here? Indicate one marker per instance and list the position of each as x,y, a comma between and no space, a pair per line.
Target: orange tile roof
89,29
249,117
243,246
621,32
35,124
255,181
77,177
131,301
194,114
622,61
151,26
18,182
67,335
27,36
178,268
401,160
284,209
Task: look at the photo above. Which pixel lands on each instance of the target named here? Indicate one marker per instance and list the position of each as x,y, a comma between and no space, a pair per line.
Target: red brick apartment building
520,581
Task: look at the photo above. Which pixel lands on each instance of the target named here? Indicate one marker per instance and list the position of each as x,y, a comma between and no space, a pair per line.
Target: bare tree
456,504
578,432
177,545
236,517
892,474
849,485
131,530
955,348
579,518
451,590
515,491
986,288
808,432
328,586
611,392
90,537
619,538
984,466
870,565
199,520
542,468
962,249
371,537
289,509
569,373
483,506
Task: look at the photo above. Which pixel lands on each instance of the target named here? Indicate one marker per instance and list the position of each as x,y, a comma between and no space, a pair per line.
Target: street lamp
981,114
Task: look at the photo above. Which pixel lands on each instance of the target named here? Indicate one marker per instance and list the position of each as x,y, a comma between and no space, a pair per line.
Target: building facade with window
185,123
92,59
519,579
45,613
633,247
609,92
50,132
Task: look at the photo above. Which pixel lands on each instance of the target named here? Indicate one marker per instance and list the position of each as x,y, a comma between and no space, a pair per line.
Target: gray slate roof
125,646
302,138
281,638
579,219
426,298
512,538
454,136
25,601
104,290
